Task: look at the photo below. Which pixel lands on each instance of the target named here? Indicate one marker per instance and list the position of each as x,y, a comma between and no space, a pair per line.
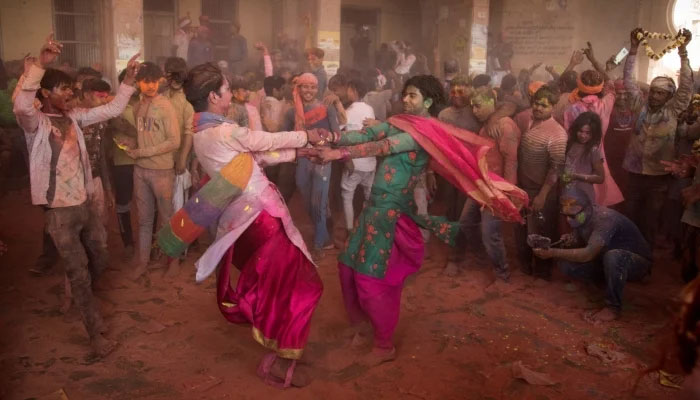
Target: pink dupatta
459,156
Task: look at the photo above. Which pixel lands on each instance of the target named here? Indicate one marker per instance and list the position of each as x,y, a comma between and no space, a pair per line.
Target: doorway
363,25
158,29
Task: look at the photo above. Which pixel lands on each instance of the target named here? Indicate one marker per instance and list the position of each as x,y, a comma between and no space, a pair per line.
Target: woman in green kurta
386,245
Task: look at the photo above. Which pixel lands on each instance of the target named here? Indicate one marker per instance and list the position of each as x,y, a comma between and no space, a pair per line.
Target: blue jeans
616,267
471,219
313,182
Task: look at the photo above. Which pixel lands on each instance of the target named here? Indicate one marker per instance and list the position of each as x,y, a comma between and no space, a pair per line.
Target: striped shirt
542,153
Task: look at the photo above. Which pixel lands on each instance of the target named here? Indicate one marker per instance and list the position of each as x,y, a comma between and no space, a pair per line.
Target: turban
584,90
534,86
663,83
303,79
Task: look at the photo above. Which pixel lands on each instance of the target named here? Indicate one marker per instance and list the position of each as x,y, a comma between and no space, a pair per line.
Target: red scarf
460,157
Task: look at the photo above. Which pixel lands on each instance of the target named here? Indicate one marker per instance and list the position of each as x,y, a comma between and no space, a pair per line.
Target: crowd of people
581,167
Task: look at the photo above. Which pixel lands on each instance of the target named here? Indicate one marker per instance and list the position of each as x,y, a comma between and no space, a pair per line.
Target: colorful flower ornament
678,40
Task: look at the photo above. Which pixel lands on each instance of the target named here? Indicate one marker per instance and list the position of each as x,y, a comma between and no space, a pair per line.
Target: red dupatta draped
459,156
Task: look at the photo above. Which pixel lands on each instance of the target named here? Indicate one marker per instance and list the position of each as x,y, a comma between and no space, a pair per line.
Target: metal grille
221,15
77,26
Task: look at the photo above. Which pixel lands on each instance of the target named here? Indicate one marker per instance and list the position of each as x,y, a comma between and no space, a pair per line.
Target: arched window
681,14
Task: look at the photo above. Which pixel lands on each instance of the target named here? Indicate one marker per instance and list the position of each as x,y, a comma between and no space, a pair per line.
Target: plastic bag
183,183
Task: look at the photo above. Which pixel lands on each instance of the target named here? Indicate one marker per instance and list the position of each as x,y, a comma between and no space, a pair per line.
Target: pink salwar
379,300
278,288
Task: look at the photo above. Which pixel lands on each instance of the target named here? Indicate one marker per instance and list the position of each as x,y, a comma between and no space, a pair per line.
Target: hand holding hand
327,154
318,136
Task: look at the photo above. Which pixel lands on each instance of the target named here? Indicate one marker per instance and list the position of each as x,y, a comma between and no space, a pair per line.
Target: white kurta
215,147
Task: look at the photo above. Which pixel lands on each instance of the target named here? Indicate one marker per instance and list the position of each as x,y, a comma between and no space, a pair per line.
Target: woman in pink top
590,96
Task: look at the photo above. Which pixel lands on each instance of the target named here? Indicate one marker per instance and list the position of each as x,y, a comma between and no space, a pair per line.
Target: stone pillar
127,32
479,36
327,29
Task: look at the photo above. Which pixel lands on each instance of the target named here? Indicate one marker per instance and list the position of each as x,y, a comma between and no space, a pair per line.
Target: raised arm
628,71
576,59
115,107
681,99
267,61
25,112
588,51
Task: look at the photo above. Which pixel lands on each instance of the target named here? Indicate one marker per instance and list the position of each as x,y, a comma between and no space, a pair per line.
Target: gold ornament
678,40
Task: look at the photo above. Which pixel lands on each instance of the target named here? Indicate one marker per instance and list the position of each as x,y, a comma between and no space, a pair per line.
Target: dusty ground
458,338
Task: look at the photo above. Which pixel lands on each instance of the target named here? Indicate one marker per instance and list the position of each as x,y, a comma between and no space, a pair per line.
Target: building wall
25,25
541,30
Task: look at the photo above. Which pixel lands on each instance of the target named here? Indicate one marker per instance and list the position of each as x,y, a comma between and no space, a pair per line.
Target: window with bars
77,25
159,27
222,14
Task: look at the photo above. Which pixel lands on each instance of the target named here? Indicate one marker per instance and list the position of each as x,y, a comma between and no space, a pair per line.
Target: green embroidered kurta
401,162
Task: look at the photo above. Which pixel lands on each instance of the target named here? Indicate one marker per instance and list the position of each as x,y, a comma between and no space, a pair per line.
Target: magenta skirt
277,291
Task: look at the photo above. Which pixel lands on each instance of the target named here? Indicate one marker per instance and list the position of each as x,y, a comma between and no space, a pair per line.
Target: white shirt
37,129
356,113
215,147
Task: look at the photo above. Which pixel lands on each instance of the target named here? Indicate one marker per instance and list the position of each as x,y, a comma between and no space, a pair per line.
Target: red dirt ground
457,338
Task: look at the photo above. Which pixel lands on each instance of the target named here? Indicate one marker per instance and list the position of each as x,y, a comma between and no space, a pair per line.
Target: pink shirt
606,193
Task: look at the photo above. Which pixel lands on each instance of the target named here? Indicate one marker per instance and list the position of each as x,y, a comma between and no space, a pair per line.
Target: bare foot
102,346
138,271
359,340
451,269
67,303
173,269
300,376
603,315
128,254
378,356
